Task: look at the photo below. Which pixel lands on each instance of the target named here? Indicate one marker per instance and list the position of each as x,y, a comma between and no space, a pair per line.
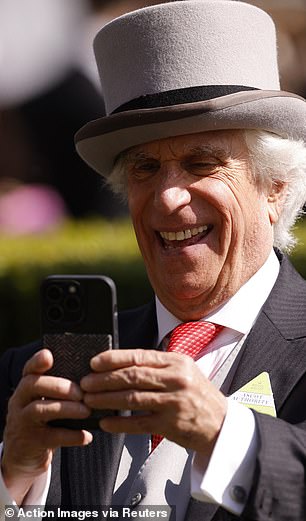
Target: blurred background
56,215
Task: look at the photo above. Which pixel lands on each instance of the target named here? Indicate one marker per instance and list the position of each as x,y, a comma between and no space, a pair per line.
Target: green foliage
298,256
92,246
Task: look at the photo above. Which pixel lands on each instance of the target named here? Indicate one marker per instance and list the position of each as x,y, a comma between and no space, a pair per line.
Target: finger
118,358
34,386
138,377
41,362
131,399
142,424
58,437
43,411
149,424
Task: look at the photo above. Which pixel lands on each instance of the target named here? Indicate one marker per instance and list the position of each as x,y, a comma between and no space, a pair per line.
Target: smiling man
202,226
211,156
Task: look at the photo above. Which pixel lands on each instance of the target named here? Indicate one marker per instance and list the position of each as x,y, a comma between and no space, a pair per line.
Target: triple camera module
64,302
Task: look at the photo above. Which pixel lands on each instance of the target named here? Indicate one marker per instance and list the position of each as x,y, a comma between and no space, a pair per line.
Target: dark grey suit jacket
276,344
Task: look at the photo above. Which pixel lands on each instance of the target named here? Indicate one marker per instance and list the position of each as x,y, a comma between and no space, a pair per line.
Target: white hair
279,161
274,161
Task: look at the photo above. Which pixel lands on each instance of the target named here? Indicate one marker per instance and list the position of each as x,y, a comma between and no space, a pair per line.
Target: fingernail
85,383
88,437
94,363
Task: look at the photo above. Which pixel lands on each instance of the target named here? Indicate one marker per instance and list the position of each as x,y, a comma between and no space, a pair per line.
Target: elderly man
211,156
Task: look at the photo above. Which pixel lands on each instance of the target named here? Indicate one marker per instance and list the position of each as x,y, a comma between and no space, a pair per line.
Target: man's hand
180,403
29,441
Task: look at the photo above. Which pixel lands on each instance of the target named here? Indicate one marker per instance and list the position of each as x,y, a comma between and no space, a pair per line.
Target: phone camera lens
54,293
55,313
73,303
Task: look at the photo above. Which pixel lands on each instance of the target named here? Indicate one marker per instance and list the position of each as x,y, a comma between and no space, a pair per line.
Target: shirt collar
240,311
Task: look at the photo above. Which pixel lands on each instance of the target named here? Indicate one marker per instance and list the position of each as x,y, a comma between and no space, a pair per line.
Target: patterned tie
189,338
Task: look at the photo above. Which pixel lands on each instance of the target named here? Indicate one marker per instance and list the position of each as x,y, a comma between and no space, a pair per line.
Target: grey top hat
185,67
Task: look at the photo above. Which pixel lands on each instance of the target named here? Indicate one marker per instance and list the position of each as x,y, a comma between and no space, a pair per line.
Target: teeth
180,236
184,234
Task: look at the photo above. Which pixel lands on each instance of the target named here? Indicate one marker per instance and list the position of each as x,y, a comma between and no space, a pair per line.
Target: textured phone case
72,354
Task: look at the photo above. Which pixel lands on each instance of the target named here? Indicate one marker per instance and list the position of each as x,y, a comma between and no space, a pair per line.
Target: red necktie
189,338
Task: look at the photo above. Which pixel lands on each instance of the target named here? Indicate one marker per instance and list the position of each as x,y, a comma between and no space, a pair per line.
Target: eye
144,168
201,167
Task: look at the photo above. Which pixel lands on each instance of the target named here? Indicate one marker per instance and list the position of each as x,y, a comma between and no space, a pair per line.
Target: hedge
92,246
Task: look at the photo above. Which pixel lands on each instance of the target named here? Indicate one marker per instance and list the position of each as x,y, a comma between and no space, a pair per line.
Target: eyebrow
199,150
130,156
135,156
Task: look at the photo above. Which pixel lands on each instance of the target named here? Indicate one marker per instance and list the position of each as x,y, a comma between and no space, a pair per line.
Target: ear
276,200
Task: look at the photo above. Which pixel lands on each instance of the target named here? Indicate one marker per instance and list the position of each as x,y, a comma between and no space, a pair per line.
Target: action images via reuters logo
120,512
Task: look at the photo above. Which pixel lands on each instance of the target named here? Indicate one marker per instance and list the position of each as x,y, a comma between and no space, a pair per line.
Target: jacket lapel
275,342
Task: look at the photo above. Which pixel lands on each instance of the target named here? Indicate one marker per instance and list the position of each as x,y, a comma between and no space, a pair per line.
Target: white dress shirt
233,459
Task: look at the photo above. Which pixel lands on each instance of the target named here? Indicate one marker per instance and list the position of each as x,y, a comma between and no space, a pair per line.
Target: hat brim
101,141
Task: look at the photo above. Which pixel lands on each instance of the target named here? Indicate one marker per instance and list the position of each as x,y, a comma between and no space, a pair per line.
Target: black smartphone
79,320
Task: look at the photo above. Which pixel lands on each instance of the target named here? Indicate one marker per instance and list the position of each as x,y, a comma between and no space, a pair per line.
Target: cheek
242,213
226,207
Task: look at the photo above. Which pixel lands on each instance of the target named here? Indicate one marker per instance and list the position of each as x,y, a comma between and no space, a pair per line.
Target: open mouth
183,238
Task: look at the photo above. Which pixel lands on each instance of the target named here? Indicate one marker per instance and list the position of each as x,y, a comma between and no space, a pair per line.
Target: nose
172,189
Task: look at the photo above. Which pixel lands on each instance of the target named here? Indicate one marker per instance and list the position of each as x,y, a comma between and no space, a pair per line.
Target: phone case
79,320
69,362
72,352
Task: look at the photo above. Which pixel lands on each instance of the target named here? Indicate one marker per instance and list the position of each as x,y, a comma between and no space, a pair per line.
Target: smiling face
201,223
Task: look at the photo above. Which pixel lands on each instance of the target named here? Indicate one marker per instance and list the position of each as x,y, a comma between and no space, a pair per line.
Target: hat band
180,96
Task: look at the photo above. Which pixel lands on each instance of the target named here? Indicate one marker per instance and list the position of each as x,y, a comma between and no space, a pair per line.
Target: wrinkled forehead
226,142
